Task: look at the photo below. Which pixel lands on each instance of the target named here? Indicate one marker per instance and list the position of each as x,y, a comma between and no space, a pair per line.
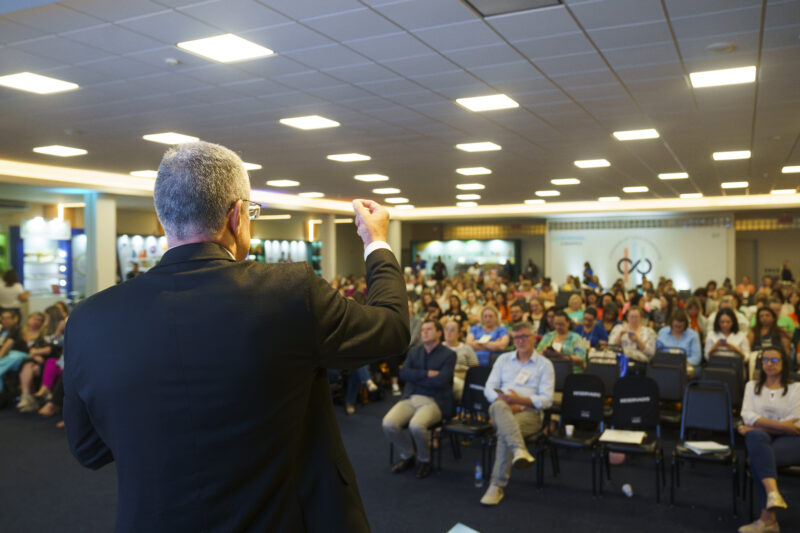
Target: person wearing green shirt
784,322
563,341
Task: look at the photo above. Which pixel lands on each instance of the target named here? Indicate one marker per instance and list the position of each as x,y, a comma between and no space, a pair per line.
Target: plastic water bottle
627,490
478,474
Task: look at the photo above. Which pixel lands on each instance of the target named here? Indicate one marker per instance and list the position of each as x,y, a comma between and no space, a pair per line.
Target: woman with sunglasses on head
771,415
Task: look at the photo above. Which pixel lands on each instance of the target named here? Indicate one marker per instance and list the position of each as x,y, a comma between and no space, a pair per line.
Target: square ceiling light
371,177
169,137
485,146
636,135
145,173
487,103
36,83
727,76
468,196
348,158
565,181
691,195
547,193
791,169
310,122
592,163
60,151
728,156
638,188
386,190
735,185
673,176
283,183
473,171
226,48
470,187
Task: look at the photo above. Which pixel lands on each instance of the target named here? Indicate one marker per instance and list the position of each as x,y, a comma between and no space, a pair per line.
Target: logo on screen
642,266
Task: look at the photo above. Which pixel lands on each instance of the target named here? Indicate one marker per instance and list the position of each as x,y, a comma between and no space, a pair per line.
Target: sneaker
403,464
396,390
759,526
775,501
350,409
371,386
522,458
27,404
425,470
492,496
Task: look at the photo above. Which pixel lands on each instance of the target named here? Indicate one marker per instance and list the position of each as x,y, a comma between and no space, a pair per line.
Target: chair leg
658,481
391,454
608,467
554,460
602,460
735,494
594,473
455,445
672,476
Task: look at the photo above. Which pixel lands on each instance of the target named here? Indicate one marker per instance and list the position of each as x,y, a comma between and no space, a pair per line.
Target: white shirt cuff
375,245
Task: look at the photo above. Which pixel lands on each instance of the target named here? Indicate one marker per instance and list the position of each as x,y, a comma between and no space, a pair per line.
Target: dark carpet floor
42,489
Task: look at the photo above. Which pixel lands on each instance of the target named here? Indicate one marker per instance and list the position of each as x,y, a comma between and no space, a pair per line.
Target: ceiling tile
352,25
421,65
483,56
113,11
326,57
53,18
605,13
218,75
11,32
457,78
746,43
63,50
359,74
542,22
417,14
302,10
308,79
14,60
170,27
113,39
287,37
393,46
573,43
697,26
272,66
633,35
507,72
235,16
574,63
641,55
456,36
681,8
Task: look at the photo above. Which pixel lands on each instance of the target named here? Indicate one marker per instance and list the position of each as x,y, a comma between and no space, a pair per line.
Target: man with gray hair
204,379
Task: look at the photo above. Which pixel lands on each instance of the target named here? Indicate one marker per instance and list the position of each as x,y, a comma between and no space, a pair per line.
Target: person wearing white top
637,340
465,356
725,335
12,294
771,416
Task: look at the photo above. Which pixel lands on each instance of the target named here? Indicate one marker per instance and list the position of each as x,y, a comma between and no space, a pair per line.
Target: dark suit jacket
203,380
440,387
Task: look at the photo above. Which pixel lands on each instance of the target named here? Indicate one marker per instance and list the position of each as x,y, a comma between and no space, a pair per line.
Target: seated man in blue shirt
427,398
592,330
526,381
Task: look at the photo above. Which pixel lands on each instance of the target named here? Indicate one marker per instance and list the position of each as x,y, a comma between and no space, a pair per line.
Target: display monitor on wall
458,256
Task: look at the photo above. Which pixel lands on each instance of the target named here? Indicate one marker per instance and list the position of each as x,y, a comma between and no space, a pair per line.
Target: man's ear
235,217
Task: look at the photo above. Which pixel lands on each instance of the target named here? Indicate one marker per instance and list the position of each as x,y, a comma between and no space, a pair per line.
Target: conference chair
729,370
670,373
582,408
562,367
707,409
636,407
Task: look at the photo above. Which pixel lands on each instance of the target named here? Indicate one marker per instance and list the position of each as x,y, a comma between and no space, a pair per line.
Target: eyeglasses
253,209
773,360
520,337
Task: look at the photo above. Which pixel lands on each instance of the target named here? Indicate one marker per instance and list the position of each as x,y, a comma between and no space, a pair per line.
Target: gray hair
196,185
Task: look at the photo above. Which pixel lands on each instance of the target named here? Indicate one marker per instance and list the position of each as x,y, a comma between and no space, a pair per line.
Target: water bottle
478,474
627,490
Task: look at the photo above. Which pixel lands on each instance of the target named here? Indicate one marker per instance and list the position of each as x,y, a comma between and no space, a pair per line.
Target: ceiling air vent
488,8
11,205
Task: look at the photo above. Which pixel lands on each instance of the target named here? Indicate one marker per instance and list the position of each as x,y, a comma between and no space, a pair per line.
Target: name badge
485,339
522,377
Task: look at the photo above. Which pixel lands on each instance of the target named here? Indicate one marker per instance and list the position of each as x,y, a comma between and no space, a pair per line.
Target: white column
100,220
328,238
395,240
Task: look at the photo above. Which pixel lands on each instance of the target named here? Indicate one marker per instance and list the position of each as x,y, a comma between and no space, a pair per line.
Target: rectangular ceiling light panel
728,76
728,156
487,8
170,137
735,185
473,171
479,147
673,176
470,187
487,103
781,192
635,189
565,181
226,48
791,169
468,196
35,83
60,151
386,190
691,195
371,177
145,173
636,135
592,163
283,183
310,122
349,158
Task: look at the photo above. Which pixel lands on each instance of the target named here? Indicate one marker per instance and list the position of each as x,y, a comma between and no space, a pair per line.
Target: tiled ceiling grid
389,72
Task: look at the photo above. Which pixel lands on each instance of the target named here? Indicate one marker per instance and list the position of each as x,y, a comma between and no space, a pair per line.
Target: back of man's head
196,186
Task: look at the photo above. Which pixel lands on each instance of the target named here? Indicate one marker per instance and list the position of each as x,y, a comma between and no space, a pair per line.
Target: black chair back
562,297
608,373
728,359
727,376
635,403
562,367
473,399
671,381
669,357
583,400
707,406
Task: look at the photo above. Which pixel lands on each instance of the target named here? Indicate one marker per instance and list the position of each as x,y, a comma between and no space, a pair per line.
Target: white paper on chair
623,436
701,447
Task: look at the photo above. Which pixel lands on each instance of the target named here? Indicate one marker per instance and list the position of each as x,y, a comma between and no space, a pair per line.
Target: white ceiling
389,71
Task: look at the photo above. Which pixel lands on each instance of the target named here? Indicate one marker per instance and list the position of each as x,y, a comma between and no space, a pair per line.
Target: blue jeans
768,453
12,361
355,379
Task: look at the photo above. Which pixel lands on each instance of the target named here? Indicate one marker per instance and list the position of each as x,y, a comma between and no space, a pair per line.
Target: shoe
371,386
492,496
424,470
403,464
760,527
396,390
350,409
27,404
522,458
775,501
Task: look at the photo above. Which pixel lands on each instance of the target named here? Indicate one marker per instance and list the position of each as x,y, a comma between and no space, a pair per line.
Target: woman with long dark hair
726,335
12,293
766,332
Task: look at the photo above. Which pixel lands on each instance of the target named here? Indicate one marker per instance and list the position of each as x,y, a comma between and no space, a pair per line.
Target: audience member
592,330
638,341
547,293
502,307
489,338
427,399
455,313
439,269
13,348
746,288
771,429
546,324
563,341
465,356
12,294
39,349
725,335
765,332
610,315
786,273
729,302
516,315
525,381
575,308
678,335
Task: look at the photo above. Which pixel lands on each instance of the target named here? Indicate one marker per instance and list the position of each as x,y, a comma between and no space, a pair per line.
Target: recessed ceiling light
226,48
547,193
371,177
534,201
735,185
783,191
283,183
636,135
252,166
673,176
608,199
397,200
592,163
565,181
791,169
473,171
386,190
727,156
311,195
728,76
468,196
145,173
404,206
691,195
274,217
467,204
35,83
479,147
60,151
638,188
310,122
170,137
348,158
487,103
470,187
342,220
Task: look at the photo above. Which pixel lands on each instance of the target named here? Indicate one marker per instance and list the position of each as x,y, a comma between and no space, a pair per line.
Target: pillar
328,238
395,240
100,222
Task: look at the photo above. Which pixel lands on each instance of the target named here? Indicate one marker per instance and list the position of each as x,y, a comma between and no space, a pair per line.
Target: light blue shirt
538,384
689,343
